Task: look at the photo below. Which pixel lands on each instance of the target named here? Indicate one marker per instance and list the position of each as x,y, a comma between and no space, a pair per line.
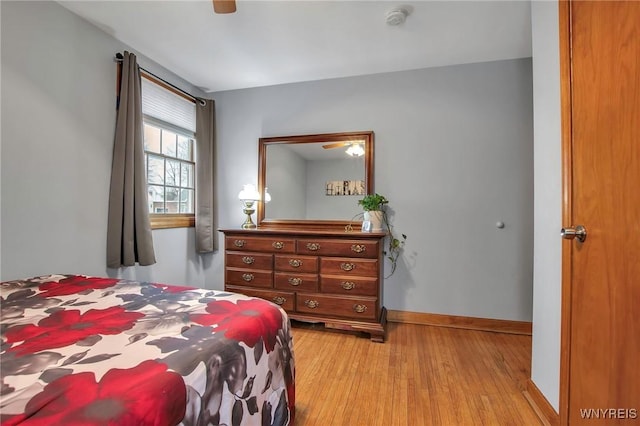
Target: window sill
165,221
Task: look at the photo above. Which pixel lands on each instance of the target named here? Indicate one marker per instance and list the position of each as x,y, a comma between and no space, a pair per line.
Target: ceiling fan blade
224,6
335,145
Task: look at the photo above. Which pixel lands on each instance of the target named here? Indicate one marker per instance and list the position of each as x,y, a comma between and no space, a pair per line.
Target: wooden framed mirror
314,181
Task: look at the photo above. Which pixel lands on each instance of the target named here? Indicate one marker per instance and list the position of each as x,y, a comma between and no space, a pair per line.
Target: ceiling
271,42
315,151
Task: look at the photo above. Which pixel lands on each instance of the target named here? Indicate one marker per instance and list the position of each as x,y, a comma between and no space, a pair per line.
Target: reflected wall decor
345,187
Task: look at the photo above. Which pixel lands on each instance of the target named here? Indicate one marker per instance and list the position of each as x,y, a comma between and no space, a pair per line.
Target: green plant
373,202
394,246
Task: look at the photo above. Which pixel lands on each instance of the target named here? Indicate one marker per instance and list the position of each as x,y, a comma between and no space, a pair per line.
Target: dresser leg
378,335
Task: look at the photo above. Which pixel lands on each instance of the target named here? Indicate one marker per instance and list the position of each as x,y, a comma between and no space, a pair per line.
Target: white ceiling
314,151
272,42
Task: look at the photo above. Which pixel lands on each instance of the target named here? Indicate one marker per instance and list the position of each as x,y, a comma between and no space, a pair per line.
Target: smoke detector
397,15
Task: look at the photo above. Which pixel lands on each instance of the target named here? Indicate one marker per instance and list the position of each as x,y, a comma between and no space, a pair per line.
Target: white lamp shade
267,196
249,192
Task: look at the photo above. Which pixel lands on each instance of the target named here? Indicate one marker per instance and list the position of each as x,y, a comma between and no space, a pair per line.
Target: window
169,148
170,170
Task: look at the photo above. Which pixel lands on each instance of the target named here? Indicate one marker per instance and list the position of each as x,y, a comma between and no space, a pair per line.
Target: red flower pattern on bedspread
107,352
73,285
63,328
245,321
147,394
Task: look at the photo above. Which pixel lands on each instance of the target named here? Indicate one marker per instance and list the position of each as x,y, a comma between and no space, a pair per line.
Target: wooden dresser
330,277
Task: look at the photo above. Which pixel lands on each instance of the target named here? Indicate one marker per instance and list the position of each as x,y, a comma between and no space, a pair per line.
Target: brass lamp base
248,210
248,223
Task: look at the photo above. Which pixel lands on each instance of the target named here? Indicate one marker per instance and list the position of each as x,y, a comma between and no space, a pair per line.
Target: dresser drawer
263,244
249,260
297,282
354,286
362,308
248,277
296,263
349,248
284,299
349,266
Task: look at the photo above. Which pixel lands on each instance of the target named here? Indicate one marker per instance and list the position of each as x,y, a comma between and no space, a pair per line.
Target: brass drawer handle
359,248
311,304
239,243
348,285
279,300
248,260
347,266
248,277
359,308
277,245
313,246
296,263
295,281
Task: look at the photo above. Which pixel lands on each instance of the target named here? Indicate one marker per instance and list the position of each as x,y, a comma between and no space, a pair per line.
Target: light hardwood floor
422,375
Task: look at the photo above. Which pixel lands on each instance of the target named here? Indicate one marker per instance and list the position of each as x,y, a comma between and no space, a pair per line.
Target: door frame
567,204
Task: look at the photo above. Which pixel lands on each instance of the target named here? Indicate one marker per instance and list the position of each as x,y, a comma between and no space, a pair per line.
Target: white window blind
166,106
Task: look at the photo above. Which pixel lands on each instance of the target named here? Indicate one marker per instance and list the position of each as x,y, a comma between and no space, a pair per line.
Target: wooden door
600,379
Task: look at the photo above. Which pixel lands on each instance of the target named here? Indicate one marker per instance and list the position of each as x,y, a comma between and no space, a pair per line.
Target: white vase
375,217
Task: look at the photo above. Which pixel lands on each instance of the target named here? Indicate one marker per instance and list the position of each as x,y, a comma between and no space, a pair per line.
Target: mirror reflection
315,177
309,182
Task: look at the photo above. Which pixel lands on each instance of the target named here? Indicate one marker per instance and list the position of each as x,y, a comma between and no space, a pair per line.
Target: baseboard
470,323
540,405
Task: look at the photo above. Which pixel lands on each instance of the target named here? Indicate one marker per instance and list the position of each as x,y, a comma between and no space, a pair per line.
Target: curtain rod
119,58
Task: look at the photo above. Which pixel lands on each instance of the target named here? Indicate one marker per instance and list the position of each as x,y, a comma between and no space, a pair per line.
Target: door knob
579,232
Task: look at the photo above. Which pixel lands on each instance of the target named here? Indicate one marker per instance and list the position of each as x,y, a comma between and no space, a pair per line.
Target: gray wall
0,157
58,119
454,155
547,259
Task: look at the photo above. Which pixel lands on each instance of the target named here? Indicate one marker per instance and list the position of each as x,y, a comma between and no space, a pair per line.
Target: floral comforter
96,351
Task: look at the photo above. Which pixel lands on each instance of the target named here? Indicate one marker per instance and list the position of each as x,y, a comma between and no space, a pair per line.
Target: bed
89,350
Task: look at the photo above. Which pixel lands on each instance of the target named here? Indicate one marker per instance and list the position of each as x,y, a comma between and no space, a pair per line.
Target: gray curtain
129,238
205,150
